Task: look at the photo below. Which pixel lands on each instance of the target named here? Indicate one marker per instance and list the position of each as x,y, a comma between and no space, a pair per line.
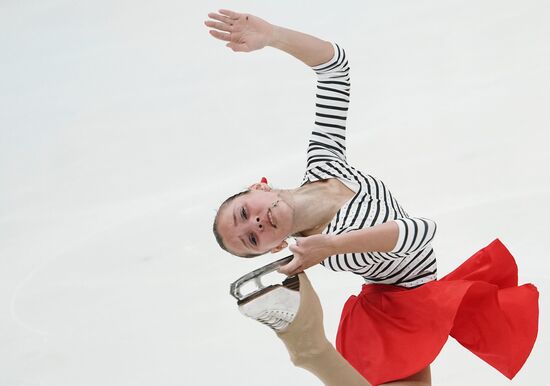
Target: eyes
251,237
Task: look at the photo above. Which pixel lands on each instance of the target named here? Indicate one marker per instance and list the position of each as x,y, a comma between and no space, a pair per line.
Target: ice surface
123,126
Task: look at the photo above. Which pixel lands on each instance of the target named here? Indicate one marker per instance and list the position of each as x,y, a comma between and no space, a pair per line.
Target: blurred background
123,126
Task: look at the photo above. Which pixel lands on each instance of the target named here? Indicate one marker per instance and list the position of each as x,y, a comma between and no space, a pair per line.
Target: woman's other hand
308,251
242,31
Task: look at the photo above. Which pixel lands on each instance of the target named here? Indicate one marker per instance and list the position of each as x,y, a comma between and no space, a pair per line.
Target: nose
259,223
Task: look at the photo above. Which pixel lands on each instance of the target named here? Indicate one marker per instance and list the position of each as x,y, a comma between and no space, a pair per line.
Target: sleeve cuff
324,66
400,237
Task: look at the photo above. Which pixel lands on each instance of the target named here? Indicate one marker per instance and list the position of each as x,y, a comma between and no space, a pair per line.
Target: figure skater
348,220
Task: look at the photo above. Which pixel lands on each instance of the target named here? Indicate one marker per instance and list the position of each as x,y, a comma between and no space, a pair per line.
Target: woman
261,219
348,220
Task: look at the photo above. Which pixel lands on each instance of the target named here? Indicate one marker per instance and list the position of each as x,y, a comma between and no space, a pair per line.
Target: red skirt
388,332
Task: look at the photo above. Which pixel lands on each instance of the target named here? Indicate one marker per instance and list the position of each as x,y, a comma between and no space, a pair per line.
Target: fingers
292,268
238,47
230,14
220,35
297,247
219,26
296,264
223,19
224,24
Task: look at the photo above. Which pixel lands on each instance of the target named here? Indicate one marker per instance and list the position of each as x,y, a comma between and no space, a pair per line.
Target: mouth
270,217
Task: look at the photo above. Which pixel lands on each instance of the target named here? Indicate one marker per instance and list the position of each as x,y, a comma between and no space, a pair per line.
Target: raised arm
245,33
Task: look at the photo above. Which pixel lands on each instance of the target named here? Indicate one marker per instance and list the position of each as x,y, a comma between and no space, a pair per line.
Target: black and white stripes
328,139
412,261
414,234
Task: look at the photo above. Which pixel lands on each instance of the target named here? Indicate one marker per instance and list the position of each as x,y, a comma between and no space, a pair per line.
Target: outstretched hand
243,32
308,251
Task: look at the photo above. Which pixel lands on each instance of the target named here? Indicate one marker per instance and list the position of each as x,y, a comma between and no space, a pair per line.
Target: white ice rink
123,125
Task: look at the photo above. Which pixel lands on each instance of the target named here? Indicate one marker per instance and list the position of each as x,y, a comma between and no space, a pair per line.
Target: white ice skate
273,305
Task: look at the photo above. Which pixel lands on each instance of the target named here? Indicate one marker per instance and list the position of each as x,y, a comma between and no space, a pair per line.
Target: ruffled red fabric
388,332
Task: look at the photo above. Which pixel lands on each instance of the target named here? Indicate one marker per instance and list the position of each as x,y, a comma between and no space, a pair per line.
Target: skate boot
273,305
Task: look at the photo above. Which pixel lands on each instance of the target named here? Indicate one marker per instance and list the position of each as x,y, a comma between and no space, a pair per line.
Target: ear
260,186
279,247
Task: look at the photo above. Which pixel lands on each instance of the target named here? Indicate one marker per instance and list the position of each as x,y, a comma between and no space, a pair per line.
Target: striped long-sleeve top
412,262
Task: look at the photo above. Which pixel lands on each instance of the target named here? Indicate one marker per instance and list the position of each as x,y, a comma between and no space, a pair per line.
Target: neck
308,215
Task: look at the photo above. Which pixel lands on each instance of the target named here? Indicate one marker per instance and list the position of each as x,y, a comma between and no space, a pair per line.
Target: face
255,223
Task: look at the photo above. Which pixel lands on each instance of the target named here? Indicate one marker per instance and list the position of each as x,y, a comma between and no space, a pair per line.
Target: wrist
274,36
333,245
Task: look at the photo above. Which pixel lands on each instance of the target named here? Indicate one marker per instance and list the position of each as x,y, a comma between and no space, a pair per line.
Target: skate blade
256,277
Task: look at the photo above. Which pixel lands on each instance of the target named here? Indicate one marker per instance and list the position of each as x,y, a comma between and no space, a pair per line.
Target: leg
308,347
422,378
